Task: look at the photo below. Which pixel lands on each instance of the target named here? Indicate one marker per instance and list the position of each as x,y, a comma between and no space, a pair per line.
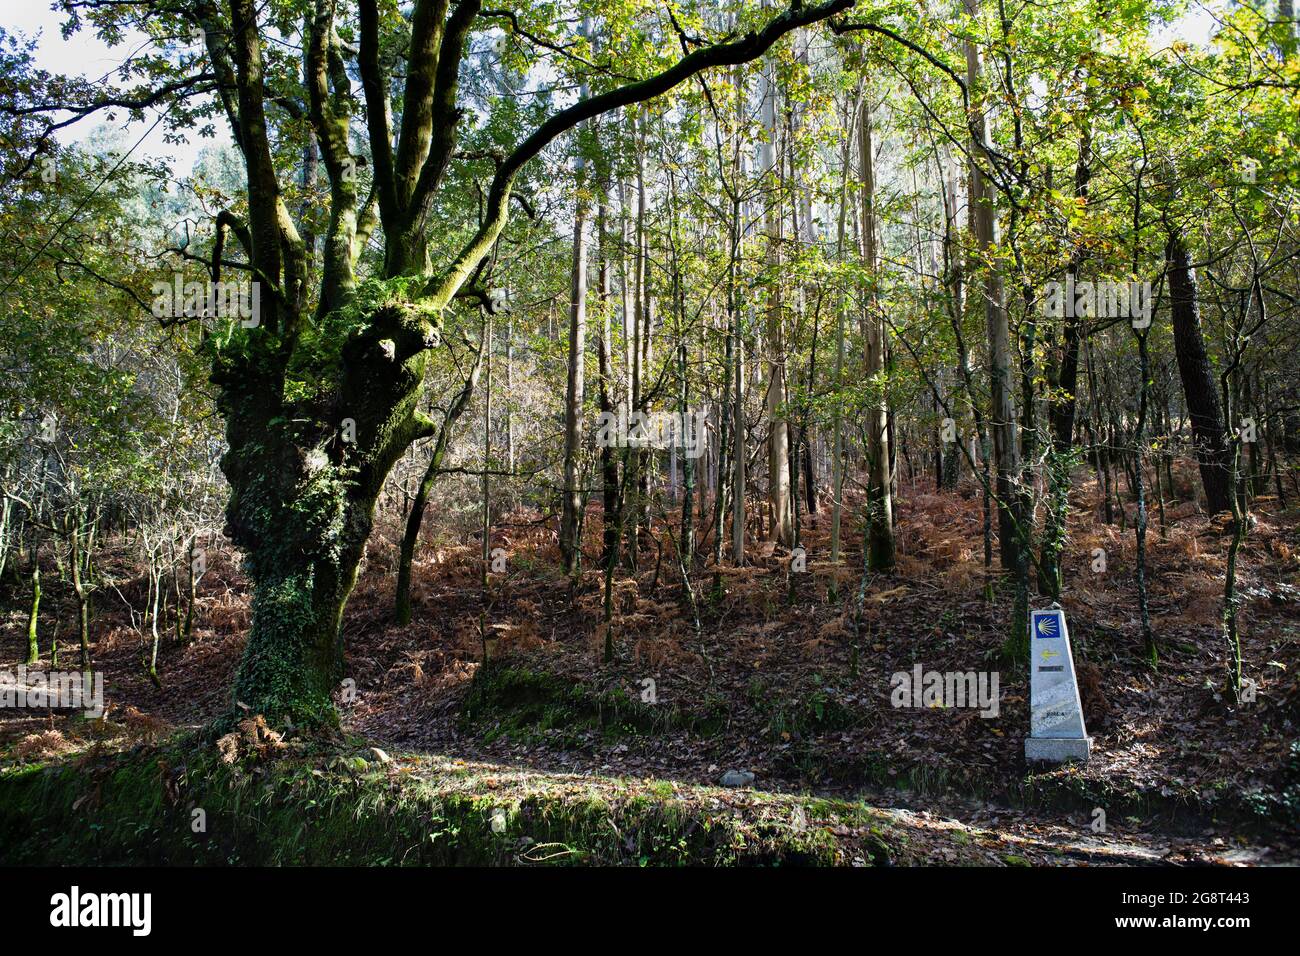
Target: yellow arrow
1049,654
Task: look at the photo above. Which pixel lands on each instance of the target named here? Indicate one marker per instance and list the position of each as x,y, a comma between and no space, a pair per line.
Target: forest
650,433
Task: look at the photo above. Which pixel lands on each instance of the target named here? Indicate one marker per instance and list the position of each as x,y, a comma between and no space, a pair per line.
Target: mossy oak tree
320,402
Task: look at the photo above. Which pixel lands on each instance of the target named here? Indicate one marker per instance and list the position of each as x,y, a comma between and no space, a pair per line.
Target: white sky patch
85,55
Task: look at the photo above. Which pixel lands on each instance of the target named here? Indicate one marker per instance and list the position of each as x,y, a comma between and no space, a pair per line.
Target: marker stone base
1057,749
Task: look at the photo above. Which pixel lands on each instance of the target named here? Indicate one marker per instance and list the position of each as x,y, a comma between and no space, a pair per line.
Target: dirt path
1075,837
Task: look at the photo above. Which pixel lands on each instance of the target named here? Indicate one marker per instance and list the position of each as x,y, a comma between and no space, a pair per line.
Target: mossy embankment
187,802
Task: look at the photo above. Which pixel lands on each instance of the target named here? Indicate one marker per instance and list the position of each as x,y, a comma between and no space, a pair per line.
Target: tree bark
572,500
612,504
1002,414
880,503
33,615
570,516
1199,388
778,430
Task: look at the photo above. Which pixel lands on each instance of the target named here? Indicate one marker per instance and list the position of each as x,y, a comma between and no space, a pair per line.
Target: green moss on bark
312,435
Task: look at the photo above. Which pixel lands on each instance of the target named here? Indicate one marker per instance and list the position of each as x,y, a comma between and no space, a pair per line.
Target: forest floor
784,682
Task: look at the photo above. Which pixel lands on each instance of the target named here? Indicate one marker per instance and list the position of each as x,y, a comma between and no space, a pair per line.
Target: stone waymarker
1056,731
